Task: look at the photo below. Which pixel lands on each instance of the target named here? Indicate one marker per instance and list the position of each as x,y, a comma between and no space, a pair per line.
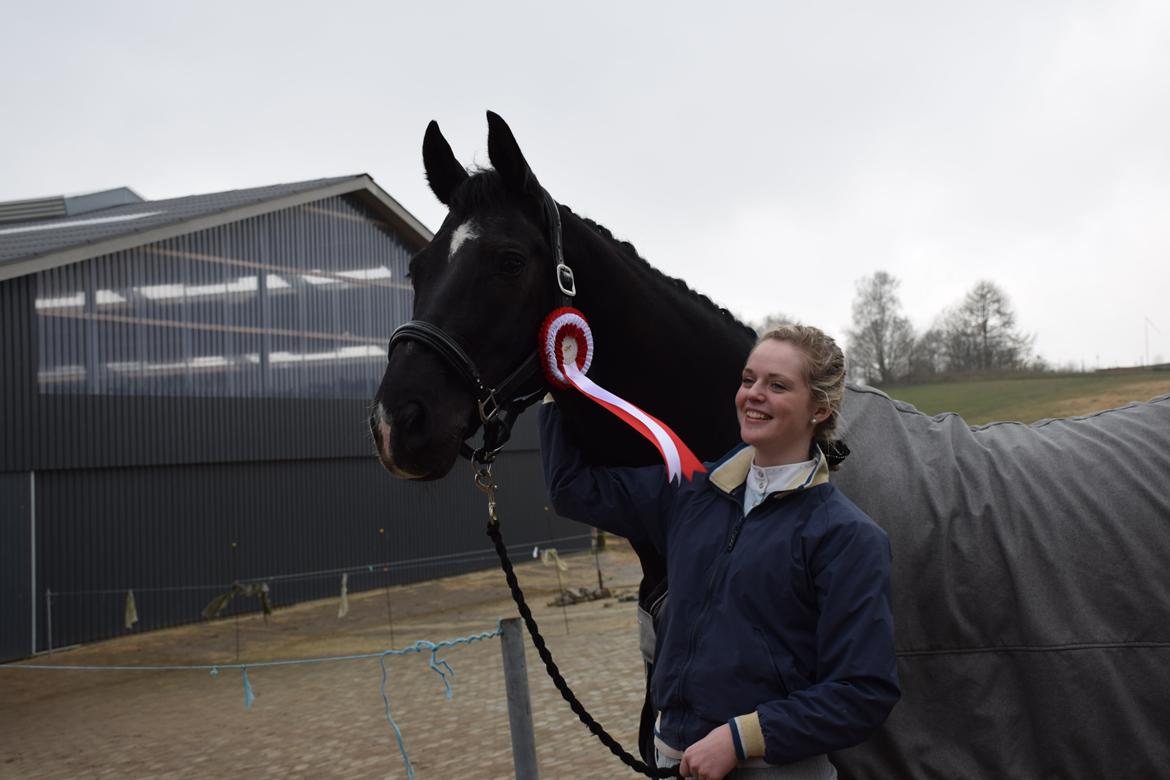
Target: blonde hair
824,371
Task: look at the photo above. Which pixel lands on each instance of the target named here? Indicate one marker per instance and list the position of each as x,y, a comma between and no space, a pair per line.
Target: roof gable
31,246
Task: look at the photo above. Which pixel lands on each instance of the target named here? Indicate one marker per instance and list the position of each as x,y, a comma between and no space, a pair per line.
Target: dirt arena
327,720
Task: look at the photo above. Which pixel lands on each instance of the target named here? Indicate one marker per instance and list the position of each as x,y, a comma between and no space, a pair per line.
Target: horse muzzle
410,441
381,430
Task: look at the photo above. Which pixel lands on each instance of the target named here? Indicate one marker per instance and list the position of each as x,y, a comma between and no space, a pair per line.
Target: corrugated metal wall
212,389
16,596
18,409
167,534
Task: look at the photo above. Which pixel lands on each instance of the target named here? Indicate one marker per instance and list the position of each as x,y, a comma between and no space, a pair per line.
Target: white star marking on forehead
468,231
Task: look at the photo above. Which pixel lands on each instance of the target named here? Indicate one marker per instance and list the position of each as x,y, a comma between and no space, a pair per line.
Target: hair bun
836,452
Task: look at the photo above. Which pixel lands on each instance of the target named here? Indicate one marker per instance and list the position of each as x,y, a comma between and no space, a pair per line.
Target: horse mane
484,189
631,253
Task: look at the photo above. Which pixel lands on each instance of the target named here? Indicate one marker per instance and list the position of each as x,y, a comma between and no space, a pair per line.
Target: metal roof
38,244
65,205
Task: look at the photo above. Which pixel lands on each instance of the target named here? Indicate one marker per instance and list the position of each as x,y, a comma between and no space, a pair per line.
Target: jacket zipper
735,534
720,564
743,518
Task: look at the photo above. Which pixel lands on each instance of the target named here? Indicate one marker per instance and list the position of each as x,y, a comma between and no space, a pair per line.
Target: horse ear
444,173
507,159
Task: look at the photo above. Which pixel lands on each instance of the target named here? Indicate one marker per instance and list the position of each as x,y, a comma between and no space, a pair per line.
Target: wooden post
519,702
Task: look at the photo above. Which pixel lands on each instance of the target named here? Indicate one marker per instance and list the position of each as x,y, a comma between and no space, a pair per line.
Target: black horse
1030,576
493,255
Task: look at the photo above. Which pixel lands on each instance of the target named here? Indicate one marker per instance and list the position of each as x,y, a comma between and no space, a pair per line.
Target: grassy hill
1032,398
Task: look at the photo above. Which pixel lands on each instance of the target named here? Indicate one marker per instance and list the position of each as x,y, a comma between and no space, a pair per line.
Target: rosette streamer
566,352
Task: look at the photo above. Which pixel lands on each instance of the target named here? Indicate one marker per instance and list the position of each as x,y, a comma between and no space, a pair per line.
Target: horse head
482,285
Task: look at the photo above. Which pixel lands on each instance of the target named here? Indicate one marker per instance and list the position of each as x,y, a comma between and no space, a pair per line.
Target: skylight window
68,302
364,274
378,272
244,284
365,351
103,298
161,291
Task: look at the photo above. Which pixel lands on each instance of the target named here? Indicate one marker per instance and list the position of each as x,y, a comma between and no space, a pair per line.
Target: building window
298,303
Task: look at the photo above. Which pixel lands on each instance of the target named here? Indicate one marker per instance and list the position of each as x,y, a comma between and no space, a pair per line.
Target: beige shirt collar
734,472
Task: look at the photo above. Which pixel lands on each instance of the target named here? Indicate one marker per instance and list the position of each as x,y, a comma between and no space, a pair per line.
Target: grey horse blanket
1031,588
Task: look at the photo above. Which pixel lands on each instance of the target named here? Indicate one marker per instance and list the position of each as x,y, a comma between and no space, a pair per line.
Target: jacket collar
733,472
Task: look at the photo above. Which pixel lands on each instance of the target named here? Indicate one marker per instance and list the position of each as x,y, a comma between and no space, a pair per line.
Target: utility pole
1148,326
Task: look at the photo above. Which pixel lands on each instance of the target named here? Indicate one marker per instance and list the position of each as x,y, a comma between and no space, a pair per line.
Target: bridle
501,405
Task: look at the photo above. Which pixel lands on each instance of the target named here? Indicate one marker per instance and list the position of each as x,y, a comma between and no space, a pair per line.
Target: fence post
519,702
49,618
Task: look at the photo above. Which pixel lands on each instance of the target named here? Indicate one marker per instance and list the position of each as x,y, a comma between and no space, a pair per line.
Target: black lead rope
498,408
483,481
550,665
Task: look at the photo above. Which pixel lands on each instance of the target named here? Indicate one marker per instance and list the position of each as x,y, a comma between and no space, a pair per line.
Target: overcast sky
770,155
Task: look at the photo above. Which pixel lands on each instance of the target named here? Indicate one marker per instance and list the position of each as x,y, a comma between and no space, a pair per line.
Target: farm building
185,387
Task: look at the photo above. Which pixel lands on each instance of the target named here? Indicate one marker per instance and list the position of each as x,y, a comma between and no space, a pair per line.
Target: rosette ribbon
566,352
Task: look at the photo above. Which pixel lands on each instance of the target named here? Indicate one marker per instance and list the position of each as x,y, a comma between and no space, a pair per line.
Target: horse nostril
411,418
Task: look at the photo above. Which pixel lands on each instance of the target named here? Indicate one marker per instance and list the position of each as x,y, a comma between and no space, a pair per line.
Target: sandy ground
327,720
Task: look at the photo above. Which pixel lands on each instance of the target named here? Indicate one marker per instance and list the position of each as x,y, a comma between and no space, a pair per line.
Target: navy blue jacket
783,614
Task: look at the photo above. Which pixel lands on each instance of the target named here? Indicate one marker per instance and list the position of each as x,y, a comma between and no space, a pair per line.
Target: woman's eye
778,388
746,381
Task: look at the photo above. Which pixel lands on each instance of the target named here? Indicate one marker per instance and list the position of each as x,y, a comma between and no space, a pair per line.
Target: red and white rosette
566,352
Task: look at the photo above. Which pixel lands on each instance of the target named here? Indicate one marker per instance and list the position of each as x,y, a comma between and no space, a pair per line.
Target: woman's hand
711,758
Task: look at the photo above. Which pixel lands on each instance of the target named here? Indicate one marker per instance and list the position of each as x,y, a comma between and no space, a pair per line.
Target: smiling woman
813,667
795,374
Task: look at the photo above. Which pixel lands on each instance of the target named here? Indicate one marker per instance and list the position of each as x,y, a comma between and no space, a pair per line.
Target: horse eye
512,263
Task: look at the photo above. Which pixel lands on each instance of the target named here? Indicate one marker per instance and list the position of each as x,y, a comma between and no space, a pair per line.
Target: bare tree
881,340
980,333
927,355
771,321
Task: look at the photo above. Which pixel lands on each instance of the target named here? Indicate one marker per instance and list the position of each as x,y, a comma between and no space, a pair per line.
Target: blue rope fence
438,665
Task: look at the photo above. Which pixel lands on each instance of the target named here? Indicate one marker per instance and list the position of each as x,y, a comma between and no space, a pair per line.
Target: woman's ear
820,412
